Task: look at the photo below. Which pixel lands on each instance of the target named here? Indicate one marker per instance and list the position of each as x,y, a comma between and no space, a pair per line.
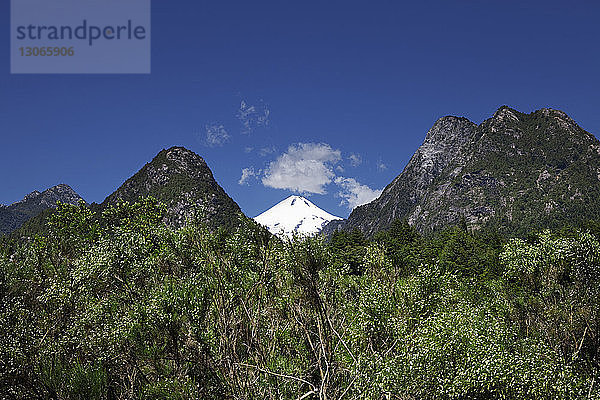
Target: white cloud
216,135
354,194
265,151
248,149
339,169
247,173
355,159
253,116
304,168
381,166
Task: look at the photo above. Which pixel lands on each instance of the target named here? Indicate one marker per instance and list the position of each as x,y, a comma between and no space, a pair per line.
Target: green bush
118,306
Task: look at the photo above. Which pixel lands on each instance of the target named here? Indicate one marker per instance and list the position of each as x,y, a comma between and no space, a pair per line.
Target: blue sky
342,92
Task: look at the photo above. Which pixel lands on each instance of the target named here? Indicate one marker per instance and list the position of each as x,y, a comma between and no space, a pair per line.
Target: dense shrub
117,306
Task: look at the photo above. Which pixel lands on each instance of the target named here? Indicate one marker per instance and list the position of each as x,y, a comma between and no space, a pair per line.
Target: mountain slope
15,215
295,215
513,172
183,181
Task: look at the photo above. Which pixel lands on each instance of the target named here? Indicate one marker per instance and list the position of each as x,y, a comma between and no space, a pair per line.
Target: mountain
183,181
14,215
513,172
295,215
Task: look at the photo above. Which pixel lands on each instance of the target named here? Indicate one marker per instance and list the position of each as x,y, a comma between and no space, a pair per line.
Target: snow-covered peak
294,215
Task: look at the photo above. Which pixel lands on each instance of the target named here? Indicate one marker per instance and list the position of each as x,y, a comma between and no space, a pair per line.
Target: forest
116,305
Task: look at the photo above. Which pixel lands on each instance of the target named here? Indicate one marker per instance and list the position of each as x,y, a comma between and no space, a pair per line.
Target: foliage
554,288
118,306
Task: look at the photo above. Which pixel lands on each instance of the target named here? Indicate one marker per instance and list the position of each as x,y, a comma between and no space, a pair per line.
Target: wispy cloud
381,166
216,135
265,151
304,168
247,174
355,159
253,116
354,194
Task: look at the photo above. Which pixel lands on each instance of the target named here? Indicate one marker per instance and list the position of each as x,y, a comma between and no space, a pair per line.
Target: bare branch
266,371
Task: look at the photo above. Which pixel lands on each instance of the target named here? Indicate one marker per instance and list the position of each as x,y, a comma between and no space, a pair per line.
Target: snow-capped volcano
294,215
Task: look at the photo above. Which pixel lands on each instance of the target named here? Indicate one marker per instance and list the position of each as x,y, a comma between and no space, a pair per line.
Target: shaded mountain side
37,225
14,216
513,172
183,181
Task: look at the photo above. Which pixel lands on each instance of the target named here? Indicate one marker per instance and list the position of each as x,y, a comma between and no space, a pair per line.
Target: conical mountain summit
182,180
295,215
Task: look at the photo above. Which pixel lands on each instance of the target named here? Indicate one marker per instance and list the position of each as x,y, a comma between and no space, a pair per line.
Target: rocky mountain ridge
511,172
14,215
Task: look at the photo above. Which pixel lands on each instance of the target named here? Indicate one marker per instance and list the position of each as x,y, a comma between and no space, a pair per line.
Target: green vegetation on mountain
177,177
511,173
124,307
181,180
14,216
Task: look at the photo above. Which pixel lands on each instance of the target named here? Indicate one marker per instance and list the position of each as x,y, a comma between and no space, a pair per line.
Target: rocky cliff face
183,181
513,172
13,216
